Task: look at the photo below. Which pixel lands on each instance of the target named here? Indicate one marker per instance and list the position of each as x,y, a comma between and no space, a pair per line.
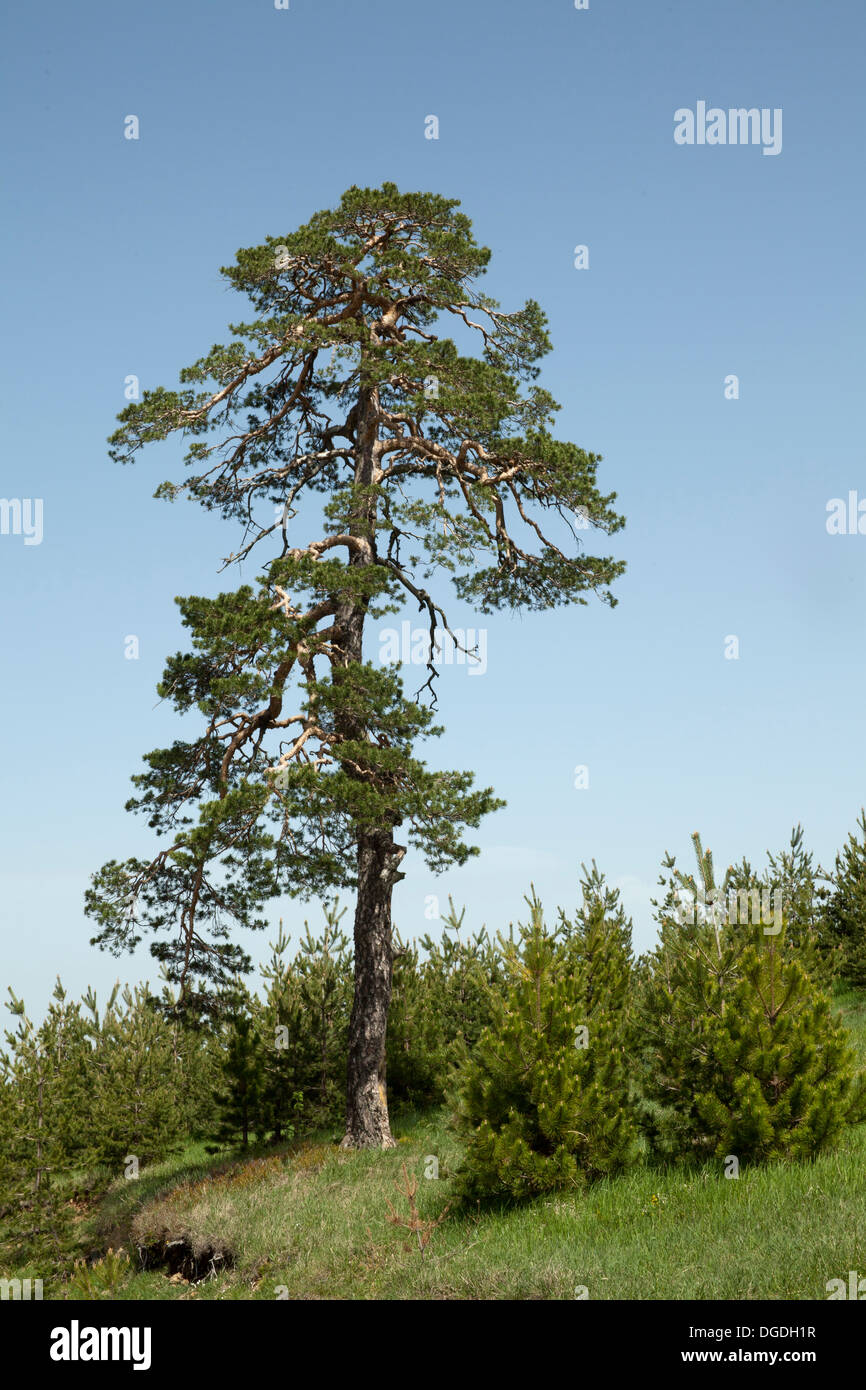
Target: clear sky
556,129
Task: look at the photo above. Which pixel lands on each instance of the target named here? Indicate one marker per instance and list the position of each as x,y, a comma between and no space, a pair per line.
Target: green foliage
241,1072
288,1047
544,1098
793,879
440,1005
741,1055
102,1279
305,1022
345,390
721,1039
845,916
324,976
43,1095
282,1057
80,1095
135,1093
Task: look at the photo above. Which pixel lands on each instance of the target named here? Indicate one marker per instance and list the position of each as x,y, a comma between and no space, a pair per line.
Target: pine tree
195,1065
324,970
289,1048
134,1083
241,1071
413,1030
599,941
793,879
463,978
345,396
540,1102
43,1097
742,1054
601,935
442,1003
845,915
793,873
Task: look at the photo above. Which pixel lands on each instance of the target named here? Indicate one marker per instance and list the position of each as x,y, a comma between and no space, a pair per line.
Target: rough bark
367,1124
378,858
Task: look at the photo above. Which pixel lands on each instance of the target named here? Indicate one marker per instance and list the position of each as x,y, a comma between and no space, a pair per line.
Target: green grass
312,1222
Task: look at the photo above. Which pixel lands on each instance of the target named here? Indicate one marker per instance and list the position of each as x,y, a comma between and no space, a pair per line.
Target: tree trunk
367,1125
378,858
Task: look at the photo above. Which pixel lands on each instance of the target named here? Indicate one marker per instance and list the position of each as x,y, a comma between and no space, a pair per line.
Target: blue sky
555,129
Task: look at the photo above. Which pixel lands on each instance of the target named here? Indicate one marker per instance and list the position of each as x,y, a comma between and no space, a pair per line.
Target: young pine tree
539,1100
442,1003
195,1066
241,1072
742,1056
324,970
412,1031
289,1049
463,977
599,941
135,1106
43,1121
845,916
794,880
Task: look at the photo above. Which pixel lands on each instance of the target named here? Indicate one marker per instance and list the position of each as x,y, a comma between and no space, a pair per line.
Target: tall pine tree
346,397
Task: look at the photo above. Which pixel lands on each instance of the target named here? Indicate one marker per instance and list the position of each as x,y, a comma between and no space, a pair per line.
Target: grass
313,1223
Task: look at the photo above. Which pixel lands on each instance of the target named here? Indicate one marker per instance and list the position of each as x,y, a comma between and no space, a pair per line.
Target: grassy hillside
314,1223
